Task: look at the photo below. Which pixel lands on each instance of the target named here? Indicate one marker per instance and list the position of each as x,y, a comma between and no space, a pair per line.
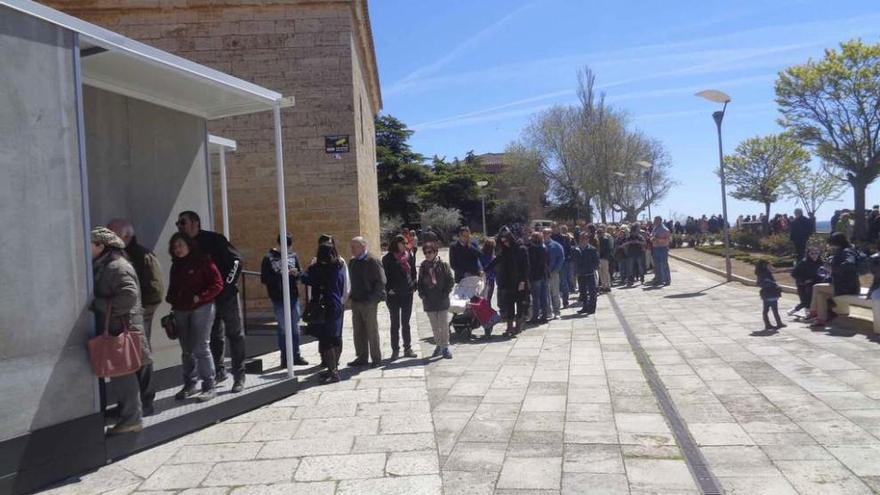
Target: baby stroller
471,313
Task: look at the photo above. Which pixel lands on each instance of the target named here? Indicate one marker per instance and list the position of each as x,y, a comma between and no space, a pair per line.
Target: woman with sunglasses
435,283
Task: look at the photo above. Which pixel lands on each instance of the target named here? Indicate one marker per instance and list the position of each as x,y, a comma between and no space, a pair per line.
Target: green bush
745,239
778,244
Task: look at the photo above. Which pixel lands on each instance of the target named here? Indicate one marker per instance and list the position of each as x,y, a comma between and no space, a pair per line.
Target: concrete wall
146,163
303,48
44,322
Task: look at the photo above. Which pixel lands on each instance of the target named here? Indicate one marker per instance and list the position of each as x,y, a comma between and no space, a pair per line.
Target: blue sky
469,74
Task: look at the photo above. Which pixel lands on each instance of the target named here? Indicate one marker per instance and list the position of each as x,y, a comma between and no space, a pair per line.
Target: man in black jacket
586,264
228,317
800,230
152,286
464,256
367,289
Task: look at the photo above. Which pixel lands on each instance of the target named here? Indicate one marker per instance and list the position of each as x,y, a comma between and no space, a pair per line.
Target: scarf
402,258
431,268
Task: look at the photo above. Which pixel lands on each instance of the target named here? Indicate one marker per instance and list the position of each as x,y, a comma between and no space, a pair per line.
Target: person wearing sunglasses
435,282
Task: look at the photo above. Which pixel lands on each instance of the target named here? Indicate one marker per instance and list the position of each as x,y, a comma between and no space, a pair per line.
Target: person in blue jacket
586,259
555,262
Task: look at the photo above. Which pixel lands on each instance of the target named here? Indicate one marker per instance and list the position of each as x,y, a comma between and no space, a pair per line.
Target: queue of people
533,273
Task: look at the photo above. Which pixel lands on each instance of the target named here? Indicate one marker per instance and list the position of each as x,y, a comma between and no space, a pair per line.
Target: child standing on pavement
770,293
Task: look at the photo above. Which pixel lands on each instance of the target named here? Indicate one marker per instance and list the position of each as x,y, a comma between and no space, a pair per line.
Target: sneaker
207,394
186,392
358,362
447,354
792,311
408,353
220,376
132,428
299,361
437,352
238,384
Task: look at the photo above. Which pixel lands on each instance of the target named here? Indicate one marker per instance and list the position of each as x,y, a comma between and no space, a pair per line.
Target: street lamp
482,185
720,97
649,171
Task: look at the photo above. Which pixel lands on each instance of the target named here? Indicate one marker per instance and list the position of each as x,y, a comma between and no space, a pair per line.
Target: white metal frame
219,146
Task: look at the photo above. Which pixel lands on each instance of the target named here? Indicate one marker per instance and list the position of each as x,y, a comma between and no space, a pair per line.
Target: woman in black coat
400,275
807,273
327,279
512,281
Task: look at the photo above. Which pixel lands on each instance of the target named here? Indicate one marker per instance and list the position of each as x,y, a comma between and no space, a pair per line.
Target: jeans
194,328
774,305
636,269
227,325
400,307
661,265
278,309
565,281
588,292
553,291
540,299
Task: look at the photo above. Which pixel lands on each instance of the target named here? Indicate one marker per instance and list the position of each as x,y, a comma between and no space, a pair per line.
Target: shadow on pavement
699,293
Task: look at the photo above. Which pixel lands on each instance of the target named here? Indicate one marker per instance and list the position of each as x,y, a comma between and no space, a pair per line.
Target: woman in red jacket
195,282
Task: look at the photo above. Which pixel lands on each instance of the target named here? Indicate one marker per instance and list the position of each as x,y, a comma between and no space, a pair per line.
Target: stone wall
306,49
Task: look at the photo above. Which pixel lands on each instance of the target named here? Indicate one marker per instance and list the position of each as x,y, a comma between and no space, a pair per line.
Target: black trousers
227,325
588,292
400,307
800,248
805,294
771,305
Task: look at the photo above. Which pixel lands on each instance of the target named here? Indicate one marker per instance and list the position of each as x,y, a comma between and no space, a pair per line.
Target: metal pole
719,117
282,228
224,199
484,212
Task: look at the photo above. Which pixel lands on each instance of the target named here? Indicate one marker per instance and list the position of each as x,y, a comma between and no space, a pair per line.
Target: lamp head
644,164
482,183
714,95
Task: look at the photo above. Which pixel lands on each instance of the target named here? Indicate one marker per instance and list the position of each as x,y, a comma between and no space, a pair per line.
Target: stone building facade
318,51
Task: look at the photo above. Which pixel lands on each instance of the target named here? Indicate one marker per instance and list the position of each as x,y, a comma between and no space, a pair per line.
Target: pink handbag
112,356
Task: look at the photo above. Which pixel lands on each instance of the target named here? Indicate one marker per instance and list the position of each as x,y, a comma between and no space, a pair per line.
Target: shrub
745,239
778,244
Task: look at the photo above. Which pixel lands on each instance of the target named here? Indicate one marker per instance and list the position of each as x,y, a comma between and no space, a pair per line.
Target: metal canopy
122,65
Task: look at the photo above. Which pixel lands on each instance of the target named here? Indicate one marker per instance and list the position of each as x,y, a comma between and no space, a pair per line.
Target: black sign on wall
336,144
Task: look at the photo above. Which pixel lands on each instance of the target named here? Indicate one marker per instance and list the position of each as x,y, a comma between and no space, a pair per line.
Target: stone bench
842,304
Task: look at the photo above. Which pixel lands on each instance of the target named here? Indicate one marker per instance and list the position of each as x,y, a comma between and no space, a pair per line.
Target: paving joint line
696,462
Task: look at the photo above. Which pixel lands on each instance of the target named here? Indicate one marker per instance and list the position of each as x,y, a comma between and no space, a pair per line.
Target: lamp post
649,172
720,97
482,184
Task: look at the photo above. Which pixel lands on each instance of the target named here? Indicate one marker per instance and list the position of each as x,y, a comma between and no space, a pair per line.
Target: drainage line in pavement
697,464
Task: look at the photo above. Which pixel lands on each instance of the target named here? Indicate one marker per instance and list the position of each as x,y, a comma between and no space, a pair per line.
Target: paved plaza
566,408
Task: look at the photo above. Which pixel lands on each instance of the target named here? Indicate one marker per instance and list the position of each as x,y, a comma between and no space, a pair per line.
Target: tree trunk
858,210
766,225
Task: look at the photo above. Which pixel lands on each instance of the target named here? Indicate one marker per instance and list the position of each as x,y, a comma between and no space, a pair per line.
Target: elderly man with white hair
152,286
367,290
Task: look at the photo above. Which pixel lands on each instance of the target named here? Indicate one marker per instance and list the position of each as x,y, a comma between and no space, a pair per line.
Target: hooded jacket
270,274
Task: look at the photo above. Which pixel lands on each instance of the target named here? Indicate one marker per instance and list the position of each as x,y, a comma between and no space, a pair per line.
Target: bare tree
812,188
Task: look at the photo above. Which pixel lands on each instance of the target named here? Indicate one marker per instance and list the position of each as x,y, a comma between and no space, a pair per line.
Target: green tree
399,170
761,166
454,185
833,105
812,188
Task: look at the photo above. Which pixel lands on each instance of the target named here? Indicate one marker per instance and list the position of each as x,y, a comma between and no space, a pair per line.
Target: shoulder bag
115,355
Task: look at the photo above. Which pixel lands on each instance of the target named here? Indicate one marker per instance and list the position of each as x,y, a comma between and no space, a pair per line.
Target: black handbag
316,311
